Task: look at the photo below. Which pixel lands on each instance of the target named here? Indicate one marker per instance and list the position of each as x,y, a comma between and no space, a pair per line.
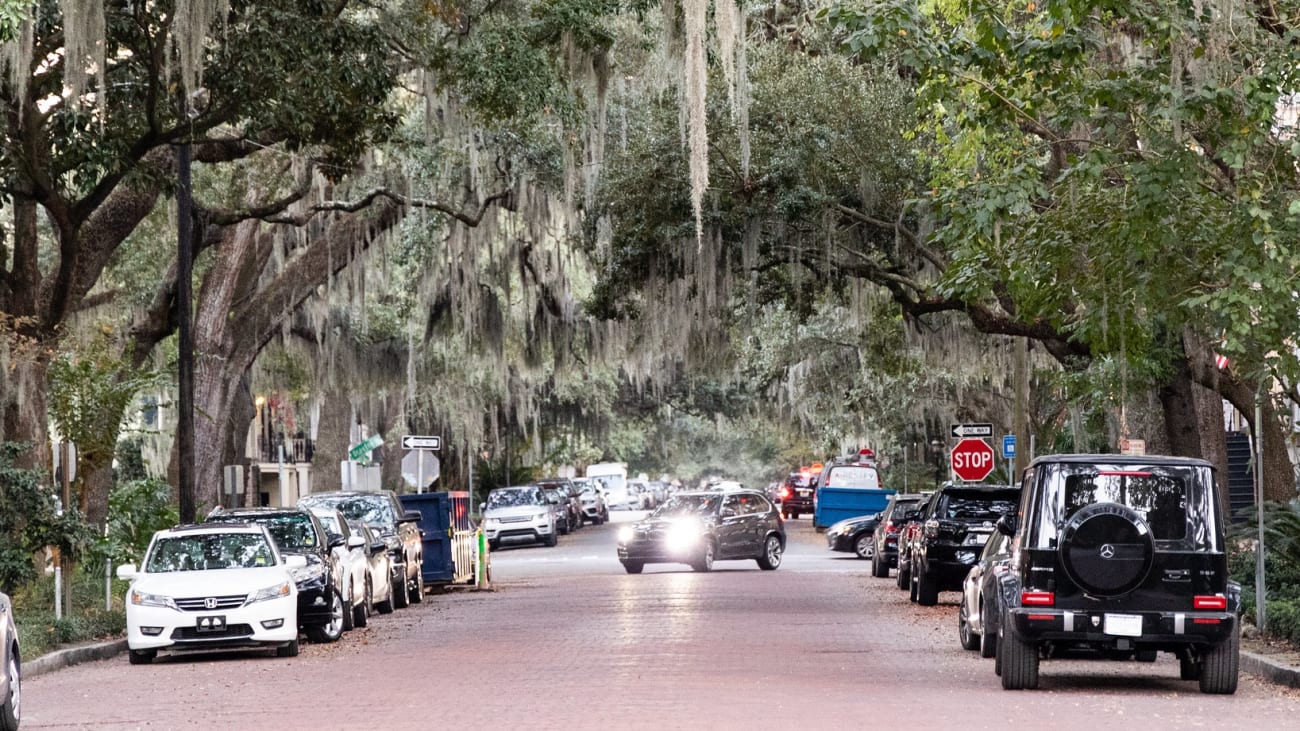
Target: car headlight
310,577
683,536
281,589
625,534
144,599
542,515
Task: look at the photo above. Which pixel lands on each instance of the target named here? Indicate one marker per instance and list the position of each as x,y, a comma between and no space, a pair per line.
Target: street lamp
260,401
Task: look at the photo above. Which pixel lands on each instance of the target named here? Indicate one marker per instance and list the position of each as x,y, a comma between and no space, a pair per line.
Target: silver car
353,556
520,514
11,670
379,591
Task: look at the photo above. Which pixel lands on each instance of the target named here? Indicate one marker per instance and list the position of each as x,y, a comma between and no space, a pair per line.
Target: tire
704,563
879,568
1221,665
1019,662
633,567
361,612
864,546
11,711
417,593
141,657
494,545
287,650
551,540
912,589
904,574
330,631
772,552
997,655
927,590
349,616
969,640
400,598
988,640
386,606
1189,668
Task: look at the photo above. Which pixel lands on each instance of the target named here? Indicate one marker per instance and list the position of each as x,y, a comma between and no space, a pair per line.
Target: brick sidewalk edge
69,656
1261,665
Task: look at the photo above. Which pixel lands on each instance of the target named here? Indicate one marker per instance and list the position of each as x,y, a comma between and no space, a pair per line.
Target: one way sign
411,441
961,431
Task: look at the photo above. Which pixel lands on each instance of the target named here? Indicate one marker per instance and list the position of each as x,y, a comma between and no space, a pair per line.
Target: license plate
805,493
210,624
976,539
1123,625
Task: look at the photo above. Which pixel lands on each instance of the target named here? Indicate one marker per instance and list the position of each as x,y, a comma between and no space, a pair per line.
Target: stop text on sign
972,460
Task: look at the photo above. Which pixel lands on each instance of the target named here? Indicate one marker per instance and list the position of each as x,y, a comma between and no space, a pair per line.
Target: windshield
682,505
513,497
209,552
377,510
293,532
975,506
852,476
330,522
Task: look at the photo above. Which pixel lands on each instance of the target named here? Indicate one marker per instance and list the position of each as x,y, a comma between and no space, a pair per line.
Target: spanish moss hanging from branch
696,96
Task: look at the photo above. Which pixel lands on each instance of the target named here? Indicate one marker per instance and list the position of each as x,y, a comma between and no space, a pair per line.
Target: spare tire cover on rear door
1107,549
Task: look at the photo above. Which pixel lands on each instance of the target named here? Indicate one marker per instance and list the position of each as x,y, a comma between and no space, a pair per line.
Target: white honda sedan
211,587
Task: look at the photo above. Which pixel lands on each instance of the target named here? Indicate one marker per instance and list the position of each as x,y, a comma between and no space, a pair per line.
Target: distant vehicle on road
887,534
520,515
854,535
614,477
848,487
956,522
796,494
698,528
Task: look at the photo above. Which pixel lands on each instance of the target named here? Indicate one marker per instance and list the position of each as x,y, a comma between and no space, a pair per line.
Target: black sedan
322,605
697,528
854,535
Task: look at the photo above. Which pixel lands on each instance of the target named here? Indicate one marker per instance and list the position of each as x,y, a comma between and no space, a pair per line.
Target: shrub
30,521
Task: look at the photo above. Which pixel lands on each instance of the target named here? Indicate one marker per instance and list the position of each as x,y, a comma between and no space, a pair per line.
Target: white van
614,476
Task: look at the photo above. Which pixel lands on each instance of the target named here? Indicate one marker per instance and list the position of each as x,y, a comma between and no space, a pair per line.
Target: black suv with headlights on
322,605
396,526
697,528
955,524
1120,557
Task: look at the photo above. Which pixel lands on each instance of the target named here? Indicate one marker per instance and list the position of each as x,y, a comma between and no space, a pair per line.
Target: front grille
231,632
516,519
200,604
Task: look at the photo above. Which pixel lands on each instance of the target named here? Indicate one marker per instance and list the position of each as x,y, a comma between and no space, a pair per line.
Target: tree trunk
1182,425
96,484
332,434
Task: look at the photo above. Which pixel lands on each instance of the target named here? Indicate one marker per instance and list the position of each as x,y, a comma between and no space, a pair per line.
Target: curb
1270,670
70,656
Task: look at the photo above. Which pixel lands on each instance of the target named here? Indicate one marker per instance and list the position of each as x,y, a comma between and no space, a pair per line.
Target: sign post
972,460
361,452
419,445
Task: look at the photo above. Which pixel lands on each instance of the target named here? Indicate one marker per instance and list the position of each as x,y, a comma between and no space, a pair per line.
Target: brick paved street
570,641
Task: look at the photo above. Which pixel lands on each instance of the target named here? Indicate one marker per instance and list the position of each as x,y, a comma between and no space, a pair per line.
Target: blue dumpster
448,538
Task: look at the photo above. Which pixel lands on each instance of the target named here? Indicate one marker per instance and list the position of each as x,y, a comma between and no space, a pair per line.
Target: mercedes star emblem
1107,551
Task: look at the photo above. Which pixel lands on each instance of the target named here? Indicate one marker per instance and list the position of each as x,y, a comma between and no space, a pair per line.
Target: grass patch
87,619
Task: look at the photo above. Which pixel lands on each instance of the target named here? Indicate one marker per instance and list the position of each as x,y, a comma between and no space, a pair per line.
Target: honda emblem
210,602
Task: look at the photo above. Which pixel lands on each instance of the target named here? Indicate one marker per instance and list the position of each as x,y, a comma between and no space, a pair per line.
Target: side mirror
377,548
411,516
1007,525
335,541
482,507
295,562
126,571
911,515
356,541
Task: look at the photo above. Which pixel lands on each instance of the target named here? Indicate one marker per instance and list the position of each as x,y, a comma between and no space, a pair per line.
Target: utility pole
185,338
1020,413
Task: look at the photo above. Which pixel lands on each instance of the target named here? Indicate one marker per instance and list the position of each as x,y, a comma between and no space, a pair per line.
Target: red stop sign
972,460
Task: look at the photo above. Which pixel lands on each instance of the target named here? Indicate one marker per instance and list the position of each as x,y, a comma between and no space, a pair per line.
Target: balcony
296,448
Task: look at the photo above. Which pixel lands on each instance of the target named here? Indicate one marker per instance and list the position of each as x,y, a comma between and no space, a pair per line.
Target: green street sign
363,449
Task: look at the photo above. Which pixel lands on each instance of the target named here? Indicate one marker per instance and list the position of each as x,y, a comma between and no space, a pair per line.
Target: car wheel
911,589
1019,661
361,612
879,568
997,655
904,576
705,562
349,616
289,649
400,597
927,591
1188,667
969,640
865,546
141,657
12,710
332,630
633,567
494,545
1220,666
386,606
551,540
417,595
988,640
772,552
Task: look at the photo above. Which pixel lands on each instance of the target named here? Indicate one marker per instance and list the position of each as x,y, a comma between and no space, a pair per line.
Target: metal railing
296,449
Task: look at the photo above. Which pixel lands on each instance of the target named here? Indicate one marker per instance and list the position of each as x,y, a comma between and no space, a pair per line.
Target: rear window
971,505
852,476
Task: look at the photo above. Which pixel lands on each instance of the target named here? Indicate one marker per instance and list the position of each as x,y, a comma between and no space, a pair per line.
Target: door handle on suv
1178,575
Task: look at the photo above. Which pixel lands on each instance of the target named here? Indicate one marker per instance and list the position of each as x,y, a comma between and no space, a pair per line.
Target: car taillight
785,492
1209,602
1037,598
890,527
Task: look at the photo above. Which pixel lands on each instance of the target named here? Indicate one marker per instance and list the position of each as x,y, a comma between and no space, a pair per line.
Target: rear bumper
1159,629
797,505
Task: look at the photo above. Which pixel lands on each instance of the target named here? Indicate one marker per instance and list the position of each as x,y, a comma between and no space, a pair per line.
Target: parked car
11,671
885,537
211,586
854,535
796,495
977,617
698,528
909,531
379,567
322,602
594,508
398,528
572,517
351,552
520,515
958,520
1120,557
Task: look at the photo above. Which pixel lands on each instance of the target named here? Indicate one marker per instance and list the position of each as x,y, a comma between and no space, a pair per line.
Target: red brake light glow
1037,598
1209,602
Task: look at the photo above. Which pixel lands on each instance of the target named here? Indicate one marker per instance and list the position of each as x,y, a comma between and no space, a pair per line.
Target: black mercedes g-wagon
1119,557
